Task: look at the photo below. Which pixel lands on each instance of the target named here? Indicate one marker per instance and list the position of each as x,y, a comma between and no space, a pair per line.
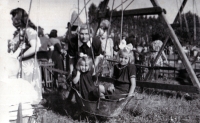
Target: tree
92,13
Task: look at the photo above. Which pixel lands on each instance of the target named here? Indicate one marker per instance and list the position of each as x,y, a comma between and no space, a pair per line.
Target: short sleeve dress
122,76
30,66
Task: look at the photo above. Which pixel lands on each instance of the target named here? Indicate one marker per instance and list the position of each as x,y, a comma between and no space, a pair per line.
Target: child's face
123,59
84,66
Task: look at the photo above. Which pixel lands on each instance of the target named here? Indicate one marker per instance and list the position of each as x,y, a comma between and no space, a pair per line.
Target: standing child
84,79
124,75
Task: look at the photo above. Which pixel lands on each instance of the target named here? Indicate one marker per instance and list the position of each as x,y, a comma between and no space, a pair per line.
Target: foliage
145,26
186,35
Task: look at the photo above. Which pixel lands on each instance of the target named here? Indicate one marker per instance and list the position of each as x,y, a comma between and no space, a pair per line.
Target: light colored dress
30,67
155,47
107,48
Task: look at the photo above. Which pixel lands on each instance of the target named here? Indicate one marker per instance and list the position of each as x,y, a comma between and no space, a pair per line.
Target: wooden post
19,114
176,42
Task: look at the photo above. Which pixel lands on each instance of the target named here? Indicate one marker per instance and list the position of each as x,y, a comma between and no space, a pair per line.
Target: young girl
124,75
84,79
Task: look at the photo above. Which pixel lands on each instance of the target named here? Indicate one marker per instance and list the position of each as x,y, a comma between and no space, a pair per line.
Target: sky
55,14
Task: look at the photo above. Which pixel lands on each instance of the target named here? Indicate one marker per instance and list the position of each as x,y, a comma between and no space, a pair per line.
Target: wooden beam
183,56
135,12
183,88
56,70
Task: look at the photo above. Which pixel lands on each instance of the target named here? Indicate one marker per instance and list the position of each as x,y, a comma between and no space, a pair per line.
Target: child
84,79
124,75
106,42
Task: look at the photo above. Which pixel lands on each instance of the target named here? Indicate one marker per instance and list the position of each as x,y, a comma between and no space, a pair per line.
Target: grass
149,106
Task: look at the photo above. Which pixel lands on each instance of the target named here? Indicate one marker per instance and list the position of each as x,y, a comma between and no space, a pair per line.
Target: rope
109,30
120,4
35,56
128,5
81,11
180,19
110,25
89,36
194,20
121,20
24,38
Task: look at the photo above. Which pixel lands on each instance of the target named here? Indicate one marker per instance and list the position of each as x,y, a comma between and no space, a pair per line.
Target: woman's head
20,18
84,64
85,33
126,56
53,33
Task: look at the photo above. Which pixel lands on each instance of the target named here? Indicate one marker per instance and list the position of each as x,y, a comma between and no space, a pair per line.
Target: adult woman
27,35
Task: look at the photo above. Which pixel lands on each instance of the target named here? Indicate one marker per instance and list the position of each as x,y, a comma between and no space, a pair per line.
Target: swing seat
103,107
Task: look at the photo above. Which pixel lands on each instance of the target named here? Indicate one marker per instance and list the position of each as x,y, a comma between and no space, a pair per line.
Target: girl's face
123,59
101,31
84,66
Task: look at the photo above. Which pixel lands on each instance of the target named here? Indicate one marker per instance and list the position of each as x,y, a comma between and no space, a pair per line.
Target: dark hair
53,33
40,31
156,36
23,16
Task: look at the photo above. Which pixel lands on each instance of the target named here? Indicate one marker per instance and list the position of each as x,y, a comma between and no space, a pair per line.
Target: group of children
85,72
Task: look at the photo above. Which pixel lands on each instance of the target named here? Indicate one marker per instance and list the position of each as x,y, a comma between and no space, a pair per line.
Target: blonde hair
129,53
105,24
85,59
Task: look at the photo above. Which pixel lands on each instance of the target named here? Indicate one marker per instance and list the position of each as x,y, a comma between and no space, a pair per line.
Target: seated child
124,75
84,79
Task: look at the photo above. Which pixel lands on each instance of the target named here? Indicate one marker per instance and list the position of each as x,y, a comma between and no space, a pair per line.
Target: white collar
81,43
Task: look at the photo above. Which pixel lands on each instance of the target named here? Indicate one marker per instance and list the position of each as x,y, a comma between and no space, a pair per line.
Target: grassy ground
149,106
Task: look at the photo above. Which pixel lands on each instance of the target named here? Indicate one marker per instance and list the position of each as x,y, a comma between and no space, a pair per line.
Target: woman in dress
26,35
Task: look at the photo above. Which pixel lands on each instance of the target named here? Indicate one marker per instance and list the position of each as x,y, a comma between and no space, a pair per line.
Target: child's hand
22,45
111,88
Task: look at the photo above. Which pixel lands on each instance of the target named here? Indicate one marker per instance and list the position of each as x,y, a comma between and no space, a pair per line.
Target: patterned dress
30,66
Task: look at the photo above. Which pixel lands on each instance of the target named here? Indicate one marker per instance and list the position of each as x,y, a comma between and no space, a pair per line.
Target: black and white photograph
100,61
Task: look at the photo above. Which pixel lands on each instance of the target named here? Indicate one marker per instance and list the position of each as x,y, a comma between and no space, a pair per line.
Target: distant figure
44,52
171,50
56,54
106,42
155,48
131,39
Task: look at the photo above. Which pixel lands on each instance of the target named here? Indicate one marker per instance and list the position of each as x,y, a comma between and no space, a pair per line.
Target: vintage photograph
100,61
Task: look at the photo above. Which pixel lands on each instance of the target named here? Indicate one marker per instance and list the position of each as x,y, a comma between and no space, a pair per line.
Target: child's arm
76,78
132,88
